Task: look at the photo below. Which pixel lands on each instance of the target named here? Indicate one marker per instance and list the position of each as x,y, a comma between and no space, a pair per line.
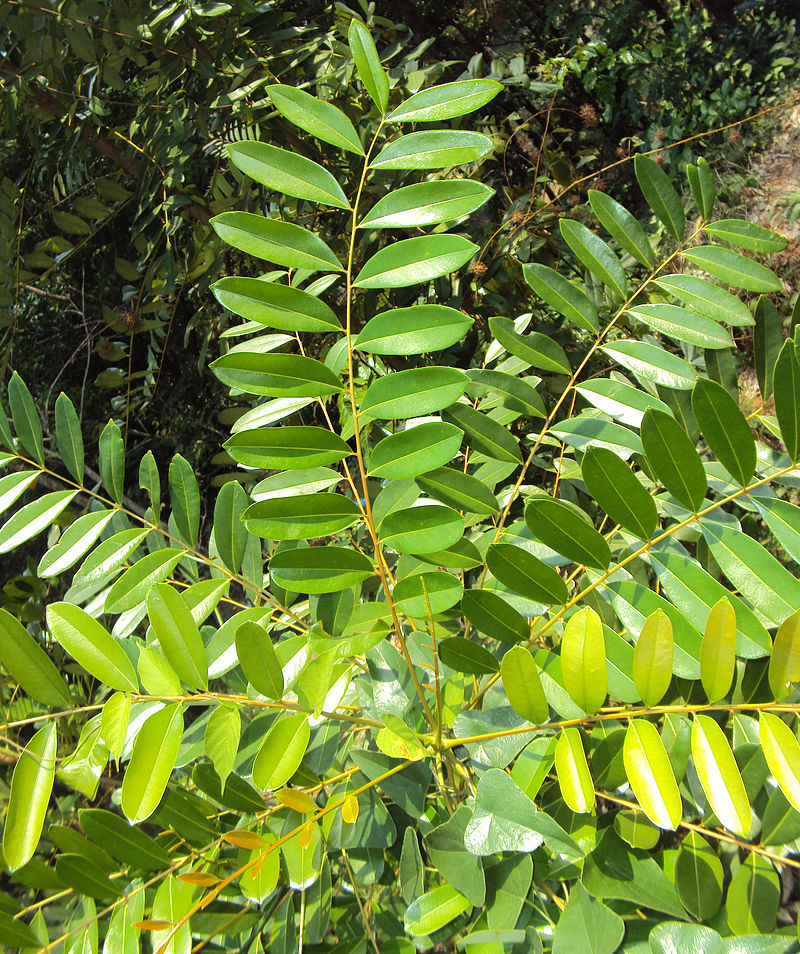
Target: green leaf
14,485
701,182
415,260
259,881
84,875
275,241
623,227
483,434
564,528
523,685
652,658
583,660
780,822
280,754
592,252
424,593
221,739
587,925
526,574
787,397
16,934
446,851
121,937
681,324
132,587
324,569
427,203
287,447
502,819
368,64
633,827
515,393
725,429
436,149
782,752
79,537
412,393
69,437
277,306
706,298
129,845
784,663
419,329
650,774
678,937
114,720
278,375
287,172
719,775
300,518
537,349
112,461
415,450
150,480
178,635
27,425
698,877
733,268
108,557
754,895
258,660
747,235
491,615
567,299
653,363
445,101
230,534
30,665
432,911
465,656
718,650
423,529
155,752
31,785
321,119
585,431
88,642
660,195
614,486
458,490
572,770
184,498
767,342
673,458
34,517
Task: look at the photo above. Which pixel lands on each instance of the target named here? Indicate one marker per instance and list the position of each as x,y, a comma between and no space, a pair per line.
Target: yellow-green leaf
523,685
650,774
31,785
718,650
574,779
583,660
784,664
719,775
152,761
782,752
652,658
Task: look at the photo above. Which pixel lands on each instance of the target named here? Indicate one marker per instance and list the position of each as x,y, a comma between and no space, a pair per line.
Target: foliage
475,646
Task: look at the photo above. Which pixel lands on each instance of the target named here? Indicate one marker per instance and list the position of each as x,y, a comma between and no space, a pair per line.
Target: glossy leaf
706,298
747,235
230,534
698,877
178,635
583,660
446,101
754,894
31,785
782,752
434,910
112,460
416,330
653,363
523,685
587,924
786,384
435,149
92,646
427,203
572,770
673,458
73,543
733,268
767,343
323,569
592,252
650,774
719,775
465,656
280,754
681,324
132,587
302,517
560,293
483,434
491,615
184,498
30,665
615,487
516,394
458,490
415,260
622,226
540,351
319,118
368,64
413,393
27,425
565,529
526,574
287,172
109,556
660,195
423,594
423,529
155,752
701,182
33,517
725,429
258,660
277,375
69,437
221,739
784,663
718,650
287,448
652,658
277,306
275,241
415,450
